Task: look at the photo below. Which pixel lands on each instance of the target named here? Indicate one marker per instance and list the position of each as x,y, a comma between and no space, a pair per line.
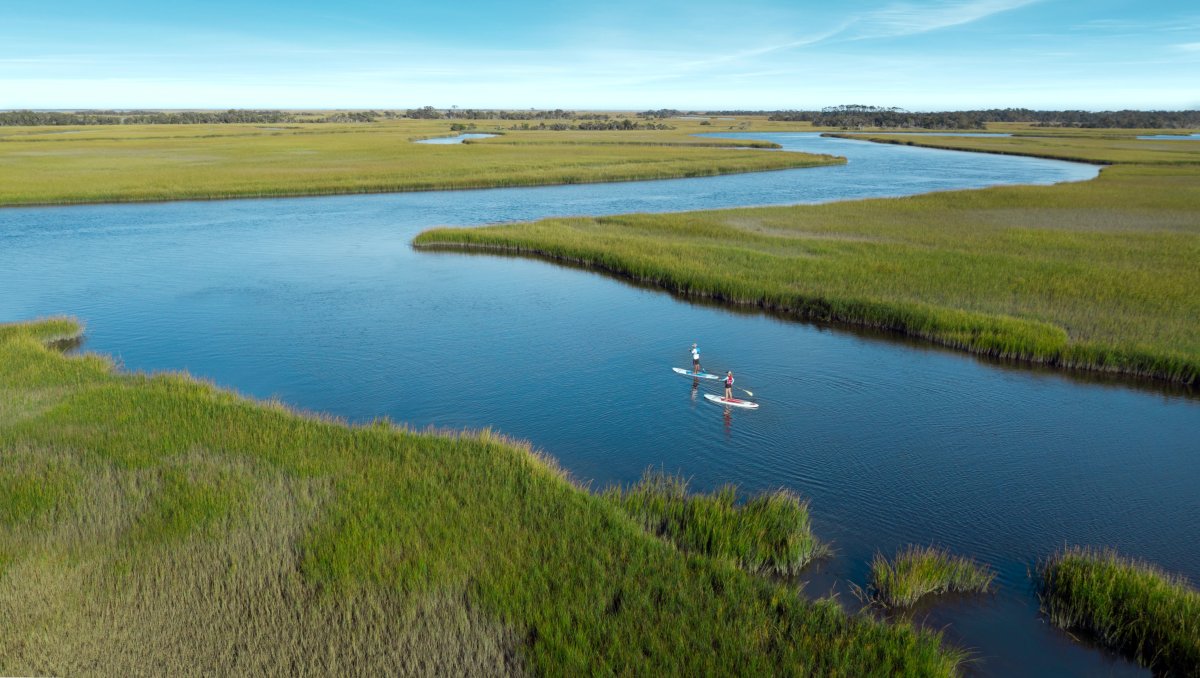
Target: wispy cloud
1188,47
903,19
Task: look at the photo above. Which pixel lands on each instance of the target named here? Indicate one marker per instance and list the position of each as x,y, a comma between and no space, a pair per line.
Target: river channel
323,303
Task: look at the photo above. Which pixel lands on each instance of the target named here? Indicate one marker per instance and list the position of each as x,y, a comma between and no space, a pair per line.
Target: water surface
458,139
1171,137
323,303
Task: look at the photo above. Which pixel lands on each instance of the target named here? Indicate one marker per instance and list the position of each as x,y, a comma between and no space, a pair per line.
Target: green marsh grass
919,571
182,529
1097,275
767,533
1100,147
1127,605
173,162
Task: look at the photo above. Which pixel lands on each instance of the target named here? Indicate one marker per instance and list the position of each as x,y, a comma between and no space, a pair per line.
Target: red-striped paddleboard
731,402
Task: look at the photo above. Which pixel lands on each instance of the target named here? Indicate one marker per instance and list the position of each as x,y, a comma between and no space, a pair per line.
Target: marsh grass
919,571
767,533
1096,275
1097,146
183,529
174,162
1127,605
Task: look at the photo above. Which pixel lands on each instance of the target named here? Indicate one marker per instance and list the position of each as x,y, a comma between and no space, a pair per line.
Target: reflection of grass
1127,605
920,571
167,162
181,529
1098,274
767,533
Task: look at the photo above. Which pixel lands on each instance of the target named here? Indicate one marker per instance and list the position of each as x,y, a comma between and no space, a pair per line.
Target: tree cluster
857,116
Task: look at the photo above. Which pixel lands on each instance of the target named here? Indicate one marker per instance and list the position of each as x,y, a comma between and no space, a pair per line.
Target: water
323,303
1171,137
939,134
455,139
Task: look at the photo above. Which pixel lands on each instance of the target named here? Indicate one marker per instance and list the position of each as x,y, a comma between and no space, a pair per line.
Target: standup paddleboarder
729,385
695,359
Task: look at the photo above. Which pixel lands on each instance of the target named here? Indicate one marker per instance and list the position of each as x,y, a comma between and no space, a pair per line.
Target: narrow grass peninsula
156,524
1097,275
1127,605
80,164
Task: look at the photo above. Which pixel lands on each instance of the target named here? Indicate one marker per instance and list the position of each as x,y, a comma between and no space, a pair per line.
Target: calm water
940,134
323,303
1172,137
455,139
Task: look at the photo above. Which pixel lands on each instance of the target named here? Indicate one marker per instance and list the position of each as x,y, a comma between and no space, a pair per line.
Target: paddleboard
697,375
732,402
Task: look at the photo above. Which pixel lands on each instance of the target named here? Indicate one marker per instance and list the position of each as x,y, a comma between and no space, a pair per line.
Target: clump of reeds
766,533
1127,605
922,570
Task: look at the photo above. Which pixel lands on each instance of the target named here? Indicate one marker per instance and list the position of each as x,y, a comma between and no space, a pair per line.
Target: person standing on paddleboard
695,359
729,385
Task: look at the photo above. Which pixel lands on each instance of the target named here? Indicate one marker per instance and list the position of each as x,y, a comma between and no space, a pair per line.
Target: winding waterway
323,303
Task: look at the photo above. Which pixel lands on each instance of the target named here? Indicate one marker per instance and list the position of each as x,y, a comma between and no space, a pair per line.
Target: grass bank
1096,275
1127,605
918,571
1099,146
158,524
176,162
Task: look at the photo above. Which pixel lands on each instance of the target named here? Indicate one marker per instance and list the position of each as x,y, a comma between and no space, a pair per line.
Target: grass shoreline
871,137
868,316
215,533
398,190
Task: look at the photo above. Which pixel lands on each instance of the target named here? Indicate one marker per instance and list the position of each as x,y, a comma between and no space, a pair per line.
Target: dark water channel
323,303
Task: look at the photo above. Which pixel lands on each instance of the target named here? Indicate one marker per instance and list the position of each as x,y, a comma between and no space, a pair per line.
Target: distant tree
425,113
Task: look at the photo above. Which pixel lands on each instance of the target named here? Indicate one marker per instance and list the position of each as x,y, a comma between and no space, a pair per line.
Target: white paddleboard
731,402
696,375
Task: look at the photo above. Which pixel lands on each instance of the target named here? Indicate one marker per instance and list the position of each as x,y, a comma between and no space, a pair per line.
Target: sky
607,55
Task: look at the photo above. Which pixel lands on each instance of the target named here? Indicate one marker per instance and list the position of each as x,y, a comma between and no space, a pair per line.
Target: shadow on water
1081,376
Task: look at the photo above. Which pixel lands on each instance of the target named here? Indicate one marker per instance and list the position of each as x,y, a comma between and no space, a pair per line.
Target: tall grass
919,571
1127,605
1095,275
767,533
173,162
156,524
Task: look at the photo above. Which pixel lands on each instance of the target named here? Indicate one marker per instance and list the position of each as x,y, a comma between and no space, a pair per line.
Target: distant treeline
429,112
622,124
9,118
874,116
846,117
586,121
14,118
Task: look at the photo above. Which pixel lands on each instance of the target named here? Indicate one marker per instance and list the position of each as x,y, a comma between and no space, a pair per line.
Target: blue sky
616,54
